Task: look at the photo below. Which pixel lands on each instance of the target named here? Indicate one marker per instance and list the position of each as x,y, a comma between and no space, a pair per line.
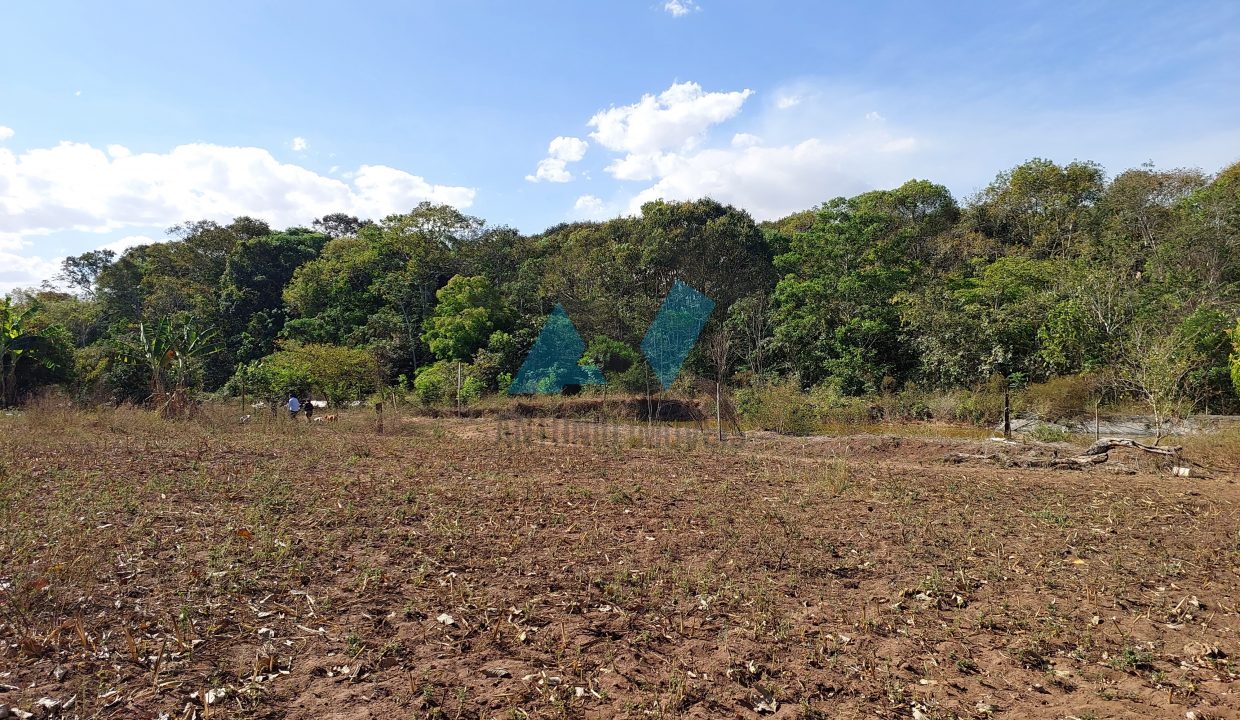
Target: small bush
981,406
1070,397
472,389
436,383
781,408
831,406
1043,432
911,403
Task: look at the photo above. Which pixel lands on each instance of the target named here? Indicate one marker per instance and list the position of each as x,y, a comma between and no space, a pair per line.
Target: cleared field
480,569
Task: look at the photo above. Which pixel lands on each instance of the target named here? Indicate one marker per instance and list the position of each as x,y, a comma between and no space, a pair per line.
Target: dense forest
1123,289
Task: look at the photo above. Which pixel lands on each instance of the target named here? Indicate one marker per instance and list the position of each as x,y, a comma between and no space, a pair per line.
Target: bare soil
477,568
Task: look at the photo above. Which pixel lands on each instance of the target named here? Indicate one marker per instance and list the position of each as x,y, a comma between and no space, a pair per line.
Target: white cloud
641,166
590,207
383,190
551,170
874,116
787,162
569,149
783,102
771,181
18,271
588,204
680,8
75,186
560,151
78,187
742,140
767,181
5,132
130,241
299,144
677,117
11,241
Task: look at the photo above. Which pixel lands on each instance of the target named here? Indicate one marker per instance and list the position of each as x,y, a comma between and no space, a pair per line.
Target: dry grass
310,571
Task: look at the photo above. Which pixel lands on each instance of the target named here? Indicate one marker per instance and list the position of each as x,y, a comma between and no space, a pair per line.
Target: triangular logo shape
675,329
552,362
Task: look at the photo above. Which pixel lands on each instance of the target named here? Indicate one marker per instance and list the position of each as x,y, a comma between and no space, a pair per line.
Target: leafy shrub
781,408
911,403
1069,397
1043,432
104,378
497,361
1234,358
623,368
472,389
437,384
339,373
980,406
833,407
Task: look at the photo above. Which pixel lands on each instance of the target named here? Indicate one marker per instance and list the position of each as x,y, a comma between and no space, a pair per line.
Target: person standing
309,406
294,407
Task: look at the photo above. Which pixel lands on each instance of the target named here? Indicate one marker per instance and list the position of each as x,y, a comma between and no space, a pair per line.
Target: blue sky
120,119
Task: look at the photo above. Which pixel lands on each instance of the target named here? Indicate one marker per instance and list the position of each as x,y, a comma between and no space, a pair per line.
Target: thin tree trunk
1007,409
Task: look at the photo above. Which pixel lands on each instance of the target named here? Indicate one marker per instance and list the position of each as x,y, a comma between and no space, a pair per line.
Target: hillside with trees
1055,277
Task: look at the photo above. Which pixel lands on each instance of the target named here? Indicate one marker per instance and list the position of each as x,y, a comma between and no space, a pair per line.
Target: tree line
1051,272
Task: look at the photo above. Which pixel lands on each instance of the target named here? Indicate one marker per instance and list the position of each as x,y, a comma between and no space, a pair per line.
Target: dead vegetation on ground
481,569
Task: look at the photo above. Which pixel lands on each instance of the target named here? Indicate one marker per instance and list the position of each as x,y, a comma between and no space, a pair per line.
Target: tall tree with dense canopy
469,310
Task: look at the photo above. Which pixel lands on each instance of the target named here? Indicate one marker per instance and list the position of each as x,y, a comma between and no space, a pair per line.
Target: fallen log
1028,461
1106,444
1095,454
959,457
1058,462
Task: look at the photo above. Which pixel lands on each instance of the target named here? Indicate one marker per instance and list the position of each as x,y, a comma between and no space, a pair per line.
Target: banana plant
169,354
192,345
157,352
16,339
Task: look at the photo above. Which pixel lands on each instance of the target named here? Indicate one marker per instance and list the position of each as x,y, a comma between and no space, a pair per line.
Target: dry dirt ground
484,569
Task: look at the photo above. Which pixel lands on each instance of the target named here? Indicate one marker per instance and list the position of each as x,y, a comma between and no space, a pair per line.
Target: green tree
337,225
833,314
256,271
1200,260
1041,207
1155,367
172,356
469,310
1138,214
19,343
339,373
80,272
716,249
376,288
966,328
